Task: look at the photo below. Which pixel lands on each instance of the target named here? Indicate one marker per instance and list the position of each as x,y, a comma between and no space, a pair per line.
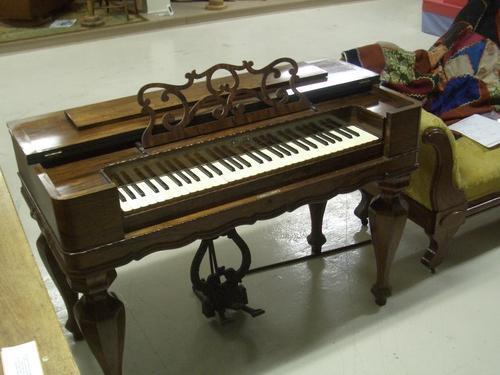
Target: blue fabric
458,91
474,52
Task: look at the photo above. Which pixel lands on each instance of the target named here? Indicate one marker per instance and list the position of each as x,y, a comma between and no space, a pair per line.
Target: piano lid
54,137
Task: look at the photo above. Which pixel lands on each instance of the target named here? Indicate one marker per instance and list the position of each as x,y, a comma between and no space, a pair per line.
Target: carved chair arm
436,183
444,186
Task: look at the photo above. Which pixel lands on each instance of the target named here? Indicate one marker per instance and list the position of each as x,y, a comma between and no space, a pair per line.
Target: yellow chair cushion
479,168
476,169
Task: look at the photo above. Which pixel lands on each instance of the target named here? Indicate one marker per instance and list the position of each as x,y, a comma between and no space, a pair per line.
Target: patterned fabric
458,76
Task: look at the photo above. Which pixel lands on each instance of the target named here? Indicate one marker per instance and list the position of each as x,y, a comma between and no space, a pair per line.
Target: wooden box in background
29,9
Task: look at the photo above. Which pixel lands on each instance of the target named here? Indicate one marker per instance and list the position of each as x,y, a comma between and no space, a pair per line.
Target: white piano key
174,190
149,194
213,181
254,168
163,194
227,175
125,206
204,182
136,202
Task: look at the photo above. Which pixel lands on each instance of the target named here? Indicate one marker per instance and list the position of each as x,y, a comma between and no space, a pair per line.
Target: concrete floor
320,317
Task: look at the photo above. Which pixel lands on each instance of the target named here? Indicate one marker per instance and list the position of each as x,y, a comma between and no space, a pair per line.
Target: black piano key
221,160
122,198
328,133
337,122
277,146
342,132
161,182
182,175
292,139
119,182
336,125
137,189
307,132
187,170
282,143
151,185
198,165
167,173
145,178
201,158
251,154
125,188
302,138
175,171
205,170
328,128
241,160
275,152
214,168
228,157
324,134
261,154
236,156
128,191
155,177
349,130
132,184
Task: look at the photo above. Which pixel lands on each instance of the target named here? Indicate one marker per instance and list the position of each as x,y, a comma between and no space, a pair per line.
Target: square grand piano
112,182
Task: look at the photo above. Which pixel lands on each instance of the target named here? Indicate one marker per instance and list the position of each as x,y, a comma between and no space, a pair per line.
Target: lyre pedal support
222,289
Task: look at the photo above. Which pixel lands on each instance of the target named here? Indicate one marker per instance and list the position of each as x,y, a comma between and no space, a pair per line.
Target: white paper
58,24
481,129
21,360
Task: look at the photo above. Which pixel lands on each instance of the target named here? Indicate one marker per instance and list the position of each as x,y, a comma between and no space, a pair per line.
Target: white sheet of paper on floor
21,360
481,129
61,24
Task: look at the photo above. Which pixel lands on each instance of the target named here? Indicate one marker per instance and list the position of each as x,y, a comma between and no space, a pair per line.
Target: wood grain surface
25,308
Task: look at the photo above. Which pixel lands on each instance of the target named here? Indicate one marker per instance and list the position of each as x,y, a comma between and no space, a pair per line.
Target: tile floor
320,317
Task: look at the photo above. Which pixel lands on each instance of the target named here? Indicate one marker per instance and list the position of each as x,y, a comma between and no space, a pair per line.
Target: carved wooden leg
445,228
91,19
316,239
69,296
387,215
101,317
361,211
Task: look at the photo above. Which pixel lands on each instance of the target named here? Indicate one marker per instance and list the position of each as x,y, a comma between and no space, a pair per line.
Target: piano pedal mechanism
222,289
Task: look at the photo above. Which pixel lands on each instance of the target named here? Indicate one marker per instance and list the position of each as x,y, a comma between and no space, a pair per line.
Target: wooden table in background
26,312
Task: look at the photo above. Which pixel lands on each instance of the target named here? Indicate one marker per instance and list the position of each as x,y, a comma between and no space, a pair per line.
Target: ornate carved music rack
226,106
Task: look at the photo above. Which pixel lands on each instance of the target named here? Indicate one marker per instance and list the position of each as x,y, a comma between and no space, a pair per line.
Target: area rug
10,32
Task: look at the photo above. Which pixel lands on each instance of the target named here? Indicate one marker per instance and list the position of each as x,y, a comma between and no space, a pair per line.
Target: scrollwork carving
222,101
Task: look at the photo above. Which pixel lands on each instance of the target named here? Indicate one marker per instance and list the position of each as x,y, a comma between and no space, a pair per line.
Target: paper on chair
21,360
481,129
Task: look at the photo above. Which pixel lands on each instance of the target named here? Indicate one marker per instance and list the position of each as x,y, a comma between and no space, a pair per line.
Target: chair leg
439,240
361,211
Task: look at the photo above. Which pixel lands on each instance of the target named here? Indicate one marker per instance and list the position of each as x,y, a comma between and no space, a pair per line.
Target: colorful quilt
457,77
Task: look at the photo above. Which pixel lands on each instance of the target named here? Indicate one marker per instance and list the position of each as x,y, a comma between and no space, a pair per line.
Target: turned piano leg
69,296
387,216
317,239
101,317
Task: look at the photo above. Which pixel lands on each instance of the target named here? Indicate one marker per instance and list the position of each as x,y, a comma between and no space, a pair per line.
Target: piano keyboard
166,177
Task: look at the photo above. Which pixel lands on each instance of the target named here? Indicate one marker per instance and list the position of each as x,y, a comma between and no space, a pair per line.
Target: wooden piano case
66,161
